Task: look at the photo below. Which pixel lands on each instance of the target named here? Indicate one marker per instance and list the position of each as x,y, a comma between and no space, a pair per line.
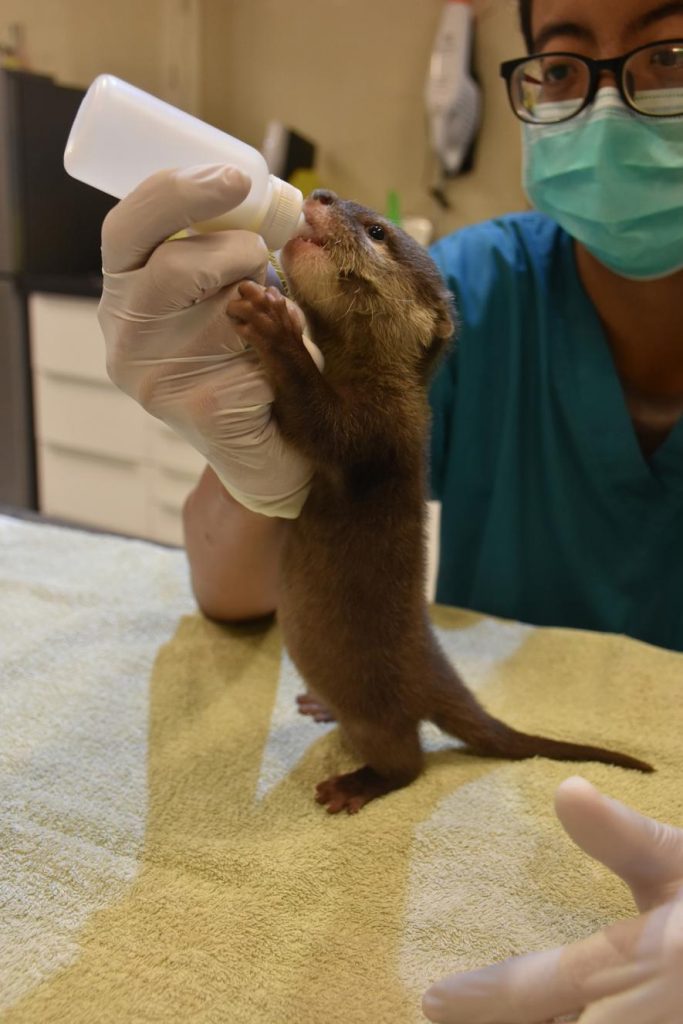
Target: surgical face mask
613,179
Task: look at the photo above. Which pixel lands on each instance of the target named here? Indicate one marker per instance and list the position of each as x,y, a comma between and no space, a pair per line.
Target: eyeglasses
548,88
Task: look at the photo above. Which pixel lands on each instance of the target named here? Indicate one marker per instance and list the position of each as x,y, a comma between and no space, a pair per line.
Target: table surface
161,846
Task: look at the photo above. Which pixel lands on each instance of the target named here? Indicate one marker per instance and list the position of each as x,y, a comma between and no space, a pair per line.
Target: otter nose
323,196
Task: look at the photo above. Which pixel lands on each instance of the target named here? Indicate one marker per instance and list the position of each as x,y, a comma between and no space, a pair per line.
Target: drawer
99,491
66,337
168,490
90,415
166,525
168,450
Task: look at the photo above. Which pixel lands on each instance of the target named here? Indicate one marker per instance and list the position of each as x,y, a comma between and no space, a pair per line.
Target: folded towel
162,858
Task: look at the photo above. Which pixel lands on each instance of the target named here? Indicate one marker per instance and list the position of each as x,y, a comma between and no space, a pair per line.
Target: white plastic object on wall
452,97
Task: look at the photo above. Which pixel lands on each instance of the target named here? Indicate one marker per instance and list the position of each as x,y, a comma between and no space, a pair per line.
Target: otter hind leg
394,760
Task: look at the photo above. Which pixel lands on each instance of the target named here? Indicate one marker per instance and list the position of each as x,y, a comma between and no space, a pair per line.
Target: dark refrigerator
49,241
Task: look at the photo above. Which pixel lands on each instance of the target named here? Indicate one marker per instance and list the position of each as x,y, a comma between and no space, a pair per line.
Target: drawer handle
80,453
71,378
168,506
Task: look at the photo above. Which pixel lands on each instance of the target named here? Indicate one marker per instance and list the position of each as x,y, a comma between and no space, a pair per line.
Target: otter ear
443,329
443,320
445,323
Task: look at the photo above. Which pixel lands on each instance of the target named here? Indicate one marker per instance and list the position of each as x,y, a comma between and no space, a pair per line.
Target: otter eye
376,231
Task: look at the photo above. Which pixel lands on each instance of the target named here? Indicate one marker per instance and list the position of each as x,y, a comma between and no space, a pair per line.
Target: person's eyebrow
583,34
657,14
564,28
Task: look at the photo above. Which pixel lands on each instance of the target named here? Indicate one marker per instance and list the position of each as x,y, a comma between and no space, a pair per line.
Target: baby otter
351,605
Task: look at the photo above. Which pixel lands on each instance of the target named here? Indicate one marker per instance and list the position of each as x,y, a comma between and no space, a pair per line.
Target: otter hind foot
310,705
352,791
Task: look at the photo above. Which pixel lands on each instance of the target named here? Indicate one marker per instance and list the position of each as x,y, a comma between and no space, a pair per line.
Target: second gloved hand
630,972
170,344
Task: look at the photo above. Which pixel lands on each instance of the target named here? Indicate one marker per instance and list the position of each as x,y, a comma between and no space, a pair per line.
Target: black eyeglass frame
595,68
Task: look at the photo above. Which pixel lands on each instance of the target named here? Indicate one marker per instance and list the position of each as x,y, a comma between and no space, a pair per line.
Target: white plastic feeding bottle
121,135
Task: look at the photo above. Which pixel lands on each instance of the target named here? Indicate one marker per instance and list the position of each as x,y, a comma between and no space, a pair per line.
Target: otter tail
458,713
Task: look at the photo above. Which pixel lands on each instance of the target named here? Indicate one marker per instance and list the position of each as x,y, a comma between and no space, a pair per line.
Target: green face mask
613,179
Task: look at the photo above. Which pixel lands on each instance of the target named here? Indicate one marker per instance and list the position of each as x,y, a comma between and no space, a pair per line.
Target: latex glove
628,973
170,344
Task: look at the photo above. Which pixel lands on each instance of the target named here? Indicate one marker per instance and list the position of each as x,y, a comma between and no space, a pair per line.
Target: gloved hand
170,344
628,973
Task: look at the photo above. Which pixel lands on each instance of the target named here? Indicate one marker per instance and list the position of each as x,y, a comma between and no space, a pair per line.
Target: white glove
170,344
628,973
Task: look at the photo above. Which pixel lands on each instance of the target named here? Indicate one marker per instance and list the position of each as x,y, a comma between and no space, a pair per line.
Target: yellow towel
163,859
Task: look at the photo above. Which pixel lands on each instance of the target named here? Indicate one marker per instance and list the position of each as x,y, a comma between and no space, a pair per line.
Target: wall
350,74
152,43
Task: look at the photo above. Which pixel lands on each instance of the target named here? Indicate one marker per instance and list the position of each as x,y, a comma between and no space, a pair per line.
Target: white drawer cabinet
101,459
88,415
95,489
66,337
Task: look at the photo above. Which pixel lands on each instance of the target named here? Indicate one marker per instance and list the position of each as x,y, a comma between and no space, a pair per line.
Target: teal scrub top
550,512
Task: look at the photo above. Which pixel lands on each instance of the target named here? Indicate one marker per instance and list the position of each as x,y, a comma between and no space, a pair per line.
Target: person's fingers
188,270
647,854
637,1005
183,273
540,986
163,204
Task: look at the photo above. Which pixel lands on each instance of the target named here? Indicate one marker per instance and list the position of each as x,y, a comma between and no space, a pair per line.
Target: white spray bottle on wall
452,97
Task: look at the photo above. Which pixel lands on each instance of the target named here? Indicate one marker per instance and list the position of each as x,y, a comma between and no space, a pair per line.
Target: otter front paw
263,319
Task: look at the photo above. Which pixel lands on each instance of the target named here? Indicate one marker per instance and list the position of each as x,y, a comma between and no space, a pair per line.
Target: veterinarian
557,442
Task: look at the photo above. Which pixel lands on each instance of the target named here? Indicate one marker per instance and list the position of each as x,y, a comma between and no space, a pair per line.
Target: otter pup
351,606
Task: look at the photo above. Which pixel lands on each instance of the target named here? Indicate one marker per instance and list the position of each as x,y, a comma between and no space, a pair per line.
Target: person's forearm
233,553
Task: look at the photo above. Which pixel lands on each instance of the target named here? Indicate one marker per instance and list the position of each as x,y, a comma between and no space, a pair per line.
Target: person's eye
668,57
555,74
377,232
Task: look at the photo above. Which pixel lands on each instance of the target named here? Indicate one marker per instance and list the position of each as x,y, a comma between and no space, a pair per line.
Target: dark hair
525,23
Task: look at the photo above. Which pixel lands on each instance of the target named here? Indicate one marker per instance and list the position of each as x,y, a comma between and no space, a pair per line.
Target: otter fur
352,604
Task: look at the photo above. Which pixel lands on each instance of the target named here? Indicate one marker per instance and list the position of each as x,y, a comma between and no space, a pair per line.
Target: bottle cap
282,218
